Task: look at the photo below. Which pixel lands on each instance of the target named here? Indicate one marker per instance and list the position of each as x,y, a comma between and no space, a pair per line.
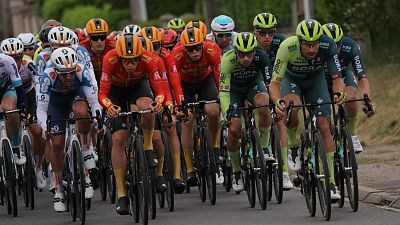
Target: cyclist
65,87
26,70
128,67
44,55
169,39
12,92
243,71
29,41
222,32
177,24
81,33
132,29
298,71
49,23
349,52
155,36
198,64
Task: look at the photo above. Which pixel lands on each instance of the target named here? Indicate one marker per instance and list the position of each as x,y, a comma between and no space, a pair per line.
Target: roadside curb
378,197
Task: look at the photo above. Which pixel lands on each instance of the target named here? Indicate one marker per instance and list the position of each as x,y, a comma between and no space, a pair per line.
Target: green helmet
176,23
245,42
265,20
333,31
309,30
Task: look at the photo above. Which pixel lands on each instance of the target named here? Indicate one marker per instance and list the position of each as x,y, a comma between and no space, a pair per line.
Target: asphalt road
231,209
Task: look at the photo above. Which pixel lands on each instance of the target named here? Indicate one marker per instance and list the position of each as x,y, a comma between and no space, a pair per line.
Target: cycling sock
352,125
264,135
176,161
58,182
285,167
148,140
120,181
329,156
15,140
189,160
235,161
293,141
160,166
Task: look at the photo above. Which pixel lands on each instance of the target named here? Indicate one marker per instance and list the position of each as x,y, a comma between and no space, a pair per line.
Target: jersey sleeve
266,68
155,80
357,62
84,57
164,79
90,90
43,99
225,83
174,79
215,62
40,65
281,62
12,70
332,62
105,82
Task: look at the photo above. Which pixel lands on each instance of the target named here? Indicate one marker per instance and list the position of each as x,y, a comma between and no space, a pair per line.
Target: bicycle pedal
320,176
348,168
275,164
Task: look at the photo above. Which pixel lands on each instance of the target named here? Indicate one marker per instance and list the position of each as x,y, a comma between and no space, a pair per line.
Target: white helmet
12,46
60,35
131,29
222,23
64,59
28,39
75,39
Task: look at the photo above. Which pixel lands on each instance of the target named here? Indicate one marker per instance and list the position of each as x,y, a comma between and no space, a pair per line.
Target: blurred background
373,23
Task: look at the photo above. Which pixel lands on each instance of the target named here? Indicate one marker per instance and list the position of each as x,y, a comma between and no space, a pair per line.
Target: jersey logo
113,60
146,58
78,68
179,56
211,52
46,57
52,75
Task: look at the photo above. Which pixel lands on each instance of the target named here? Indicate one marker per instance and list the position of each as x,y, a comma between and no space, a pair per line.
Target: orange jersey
173,75
163,73
194,72
97,60
114,74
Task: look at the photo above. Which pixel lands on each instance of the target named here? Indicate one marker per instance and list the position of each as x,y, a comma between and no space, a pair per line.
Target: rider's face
309,49
195,52
265,36
98,42
130,65
245,58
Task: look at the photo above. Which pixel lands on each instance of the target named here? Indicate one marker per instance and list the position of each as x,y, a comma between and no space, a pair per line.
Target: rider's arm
90,90
334,68
43,99
17,82
266,68
174,79
164,79
157,84
359,70
214,54
84,57
225,83
278,72
105,81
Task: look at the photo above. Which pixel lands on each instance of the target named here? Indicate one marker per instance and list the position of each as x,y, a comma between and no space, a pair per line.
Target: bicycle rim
323,183
260,170
277,169
79,181
350,165
307,180
11,179
29,173
168,173
209,163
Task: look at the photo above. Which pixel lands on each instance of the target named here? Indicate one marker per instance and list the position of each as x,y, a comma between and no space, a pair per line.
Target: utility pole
138,10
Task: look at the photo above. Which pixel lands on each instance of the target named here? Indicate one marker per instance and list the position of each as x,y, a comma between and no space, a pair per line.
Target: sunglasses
133,61
29,49
193,48
101,37
169,47
264,32
244,54
156,46
223,35
310,44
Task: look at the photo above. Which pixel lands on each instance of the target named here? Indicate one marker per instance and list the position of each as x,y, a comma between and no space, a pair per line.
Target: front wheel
260,171
11,180
209,164
277,168
350,169
79,181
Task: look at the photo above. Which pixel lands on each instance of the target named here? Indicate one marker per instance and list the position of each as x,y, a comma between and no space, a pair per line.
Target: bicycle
252,158
203,151
345,162
312,175
226,162
8,168
73,172
139,177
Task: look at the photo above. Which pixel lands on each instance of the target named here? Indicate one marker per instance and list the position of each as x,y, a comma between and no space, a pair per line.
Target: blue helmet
222,23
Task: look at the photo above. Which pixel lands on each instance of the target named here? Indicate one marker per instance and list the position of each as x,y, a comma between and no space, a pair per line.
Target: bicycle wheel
161,200
322,176
132,181
110,178
70,195
152,199
227,170
307,176
29,173
260,170
250,187
142,182
11,180
168,173
339,171
350,168
276,150
209,163
102,176
79,181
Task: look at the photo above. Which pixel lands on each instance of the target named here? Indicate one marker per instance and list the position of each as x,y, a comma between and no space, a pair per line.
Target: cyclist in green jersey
298,71
243,73
349,52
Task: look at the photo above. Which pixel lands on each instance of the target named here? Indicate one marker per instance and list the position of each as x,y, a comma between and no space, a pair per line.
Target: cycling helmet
132,29
96,26
199,24
309,30
129,46
169,37
75,39
81,33
147,44
28,39
12,46
222,23
245,42
191,36
44,33
152,33
265,20
60,35
64,59
176,23
333,31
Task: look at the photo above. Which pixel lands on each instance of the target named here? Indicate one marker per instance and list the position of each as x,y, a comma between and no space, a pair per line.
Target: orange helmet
152,33
129,46
191,36
197,23
147,44
96,26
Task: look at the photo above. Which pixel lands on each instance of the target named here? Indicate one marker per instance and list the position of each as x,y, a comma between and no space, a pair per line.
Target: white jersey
8,71
211,37
28,74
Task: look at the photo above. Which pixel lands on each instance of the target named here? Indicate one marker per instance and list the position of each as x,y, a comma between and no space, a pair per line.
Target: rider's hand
157,107
280,107
113,111
340,98
369,112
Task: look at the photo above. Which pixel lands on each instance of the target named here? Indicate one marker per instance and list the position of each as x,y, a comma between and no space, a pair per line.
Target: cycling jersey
193,72
27,73
211,37
84,58
273,49
97,59
163,73
51,83
41,61
173,75
235,77
113,74
9,72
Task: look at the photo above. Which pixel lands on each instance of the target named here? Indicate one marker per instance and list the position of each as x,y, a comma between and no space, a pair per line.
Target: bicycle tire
133,180
29,174
260,170
70,197
168,173
209,164
307,182
351,176
321,168
161,200
142,182
339,167
111,184
10,175
152,199
79,181
278,169
102,176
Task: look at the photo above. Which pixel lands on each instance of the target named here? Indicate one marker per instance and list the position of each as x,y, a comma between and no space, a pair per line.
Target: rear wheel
11,180
209,164
168,173
350,169
260,170
307,180
277,168
79,181
29,173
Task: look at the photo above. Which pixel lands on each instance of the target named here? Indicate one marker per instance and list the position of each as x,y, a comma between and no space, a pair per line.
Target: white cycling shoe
59,202
40,179
89,191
